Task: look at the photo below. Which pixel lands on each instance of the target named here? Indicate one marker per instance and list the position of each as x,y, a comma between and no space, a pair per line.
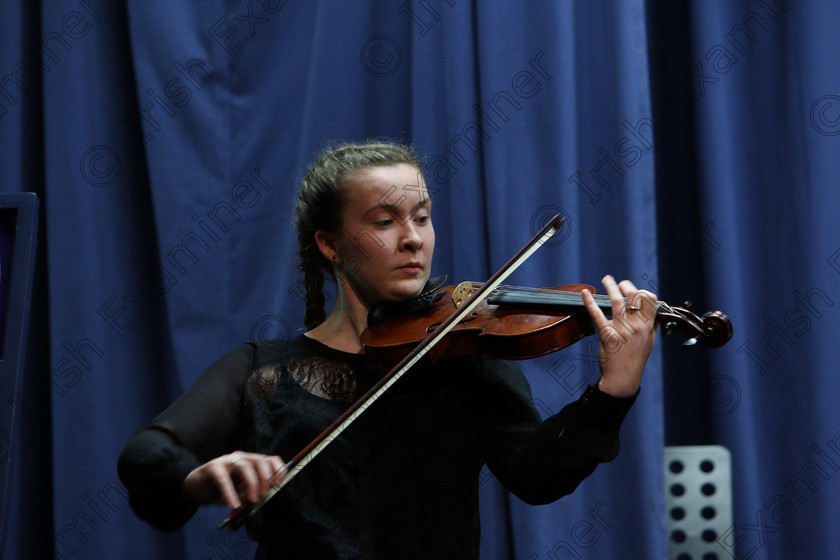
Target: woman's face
387,240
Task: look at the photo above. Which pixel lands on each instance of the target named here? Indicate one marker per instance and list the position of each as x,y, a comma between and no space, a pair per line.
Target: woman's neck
345,324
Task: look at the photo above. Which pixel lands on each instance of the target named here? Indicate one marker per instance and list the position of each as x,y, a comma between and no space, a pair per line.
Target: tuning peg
690,342
668,327
687,304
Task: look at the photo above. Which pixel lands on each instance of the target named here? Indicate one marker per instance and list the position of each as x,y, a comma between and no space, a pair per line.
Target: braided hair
320,204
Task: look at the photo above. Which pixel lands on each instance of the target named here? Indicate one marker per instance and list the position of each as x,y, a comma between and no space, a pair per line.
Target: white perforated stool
698,501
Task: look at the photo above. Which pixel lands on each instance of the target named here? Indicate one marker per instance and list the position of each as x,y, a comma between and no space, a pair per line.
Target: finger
270,469
248,455
278,470
249,483
636,296
617,300
264,472
641,301
594,311
627,287
225,485
646,298
628,293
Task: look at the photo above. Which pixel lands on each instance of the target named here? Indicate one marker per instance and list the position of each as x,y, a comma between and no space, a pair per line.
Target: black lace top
401,482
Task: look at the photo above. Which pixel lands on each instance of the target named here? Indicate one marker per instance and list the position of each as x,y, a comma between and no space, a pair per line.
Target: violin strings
558,297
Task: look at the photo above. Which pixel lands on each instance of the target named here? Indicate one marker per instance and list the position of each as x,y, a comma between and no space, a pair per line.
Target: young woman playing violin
401,481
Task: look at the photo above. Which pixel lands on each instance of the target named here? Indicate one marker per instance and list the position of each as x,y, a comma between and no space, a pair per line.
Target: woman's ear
327,246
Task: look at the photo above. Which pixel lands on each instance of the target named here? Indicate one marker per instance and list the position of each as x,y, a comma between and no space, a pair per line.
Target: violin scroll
712,330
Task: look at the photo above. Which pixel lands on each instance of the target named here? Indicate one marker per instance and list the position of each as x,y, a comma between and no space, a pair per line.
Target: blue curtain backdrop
693,149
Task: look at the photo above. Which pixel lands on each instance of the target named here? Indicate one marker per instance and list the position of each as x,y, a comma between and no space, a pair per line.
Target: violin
514,323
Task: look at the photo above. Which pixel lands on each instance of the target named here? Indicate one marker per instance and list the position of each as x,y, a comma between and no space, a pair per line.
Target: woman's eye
424,219
384,223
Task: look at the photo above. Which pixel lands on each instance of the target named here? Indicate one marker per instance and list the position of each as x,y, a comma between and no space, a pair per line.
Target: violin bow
238,516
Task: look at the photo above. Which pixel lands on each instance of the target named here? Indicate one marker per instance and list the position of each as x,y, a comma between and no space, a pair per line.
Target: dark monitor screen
18,237
8,222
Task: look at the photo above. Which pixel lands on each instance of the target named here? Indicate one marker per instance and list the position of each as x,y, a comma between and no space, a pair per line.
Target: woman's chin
407,289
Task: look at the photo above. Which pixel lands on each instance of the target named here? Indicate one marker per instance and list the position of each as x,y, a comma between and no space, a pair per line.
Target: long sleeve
541,461
200,425
153,466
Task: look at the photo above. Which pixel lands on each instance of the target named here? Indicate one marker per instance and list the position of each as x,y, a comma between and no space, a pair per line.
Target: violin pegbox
711,330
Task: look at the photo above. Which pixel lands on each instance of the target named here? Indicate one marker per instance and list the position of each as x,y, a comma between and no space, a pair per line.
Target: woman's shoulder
253,354
279,349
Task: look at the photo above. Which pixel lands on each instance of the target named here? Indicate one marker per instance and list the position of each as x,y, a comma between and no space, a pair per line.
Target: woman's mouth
411,268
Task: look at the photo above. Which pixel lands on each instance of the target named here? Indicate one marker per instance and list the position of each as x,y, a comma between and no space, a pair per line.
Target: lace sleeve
542,461
200,425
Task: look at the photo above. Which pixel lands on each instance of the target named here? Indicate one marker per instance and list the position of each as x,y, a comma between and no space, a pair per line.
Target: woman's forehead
387,185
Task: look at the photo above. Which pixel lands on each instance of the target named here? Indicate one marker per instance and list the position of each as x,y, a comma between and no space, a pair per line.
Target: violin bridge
462,293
